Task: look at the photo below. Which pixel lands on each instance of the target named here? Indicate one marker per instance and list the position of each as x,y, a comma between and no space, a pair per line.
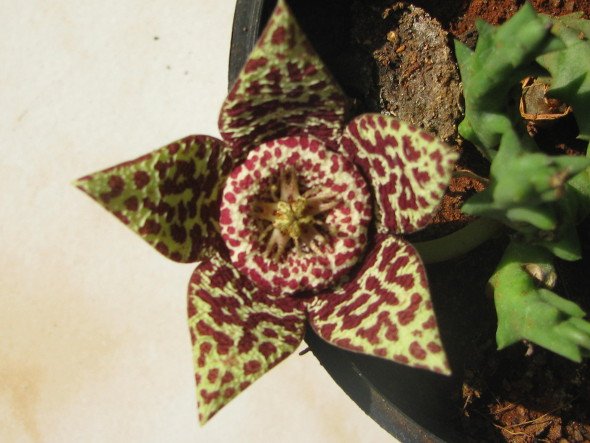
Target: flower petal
408,169
385,311
283,89
169,197
238,332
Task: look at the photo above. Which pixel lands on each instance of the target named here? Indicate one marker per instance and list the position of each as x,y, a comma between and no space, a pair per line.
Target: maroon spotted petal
385,311
409,169
169,197
283,89
238,332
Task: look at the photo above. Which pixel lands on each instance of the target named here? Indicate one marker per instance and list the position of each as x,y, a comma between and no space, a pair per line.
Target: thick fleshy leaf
409,169
385,311
283,89
238,332
169,197
569,67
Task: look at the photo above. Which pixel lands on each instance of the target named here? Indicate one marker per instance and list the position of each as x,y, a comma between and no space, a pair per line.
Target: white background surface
94,345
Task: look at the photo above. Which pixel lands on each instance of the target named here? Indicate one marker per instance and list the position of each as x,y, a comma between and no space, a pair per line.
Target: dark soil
413,66
523,393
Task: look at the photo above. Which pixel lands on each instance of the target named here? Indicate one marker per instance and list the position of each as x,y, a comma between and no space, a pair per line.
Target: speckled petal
238,332
283,89
169,197
385,311
409,169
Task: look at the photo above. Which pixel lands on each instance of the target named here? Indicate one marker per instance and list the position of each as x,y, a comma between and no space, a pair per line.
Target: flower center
295,219
294,215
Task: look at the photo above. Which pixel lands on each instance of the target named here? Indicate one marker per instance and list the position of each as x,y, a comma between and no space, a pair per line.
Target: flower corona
294,215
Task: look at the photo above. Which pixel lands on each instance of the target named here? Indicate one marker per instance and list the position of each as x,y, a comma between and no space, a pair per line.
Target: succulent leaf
409,169
570,68
528,311
529,192
496,65
385,311
283,89
169,197
238,332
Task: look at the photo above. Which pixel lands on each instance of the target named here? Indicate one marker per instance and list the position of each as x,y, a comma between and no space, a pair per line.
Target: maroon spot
141,178
406,281
401,359
251,367
310,70
212,375
407,315
267,349
327,330
117,185
230,197
162,248
278,36
254,63
292,341
246,342
318,85
346,344
437,158
227,377
417,351
254,88
410,152
426,136
225,216
173,148
433,347
178,233
407,199
208,397
121,217
229,392
219,278
430,323
176,256
270,333
132,203
274,76
381,352
192,311
150,227
295,73
224,341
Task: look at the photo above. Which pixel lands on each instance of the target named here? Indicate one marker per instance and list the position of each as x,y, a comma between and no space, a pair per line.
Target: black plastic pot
412,405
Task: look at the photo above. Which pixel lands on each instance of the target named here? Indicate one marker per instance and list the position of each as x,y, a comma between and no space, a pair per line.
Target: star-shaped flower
295,216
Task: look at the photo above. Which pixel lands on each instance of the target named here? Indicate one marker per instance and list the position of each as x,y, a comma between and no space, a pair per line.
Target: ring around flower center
294,215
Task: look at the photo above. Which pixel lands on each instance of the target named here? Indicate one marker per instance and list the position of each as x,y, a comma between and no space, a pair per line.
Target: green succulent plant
540,197
527,308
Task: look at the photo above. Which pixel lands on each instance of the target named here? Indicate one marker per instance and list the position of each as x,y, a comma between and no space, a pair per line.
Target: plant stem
459,242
